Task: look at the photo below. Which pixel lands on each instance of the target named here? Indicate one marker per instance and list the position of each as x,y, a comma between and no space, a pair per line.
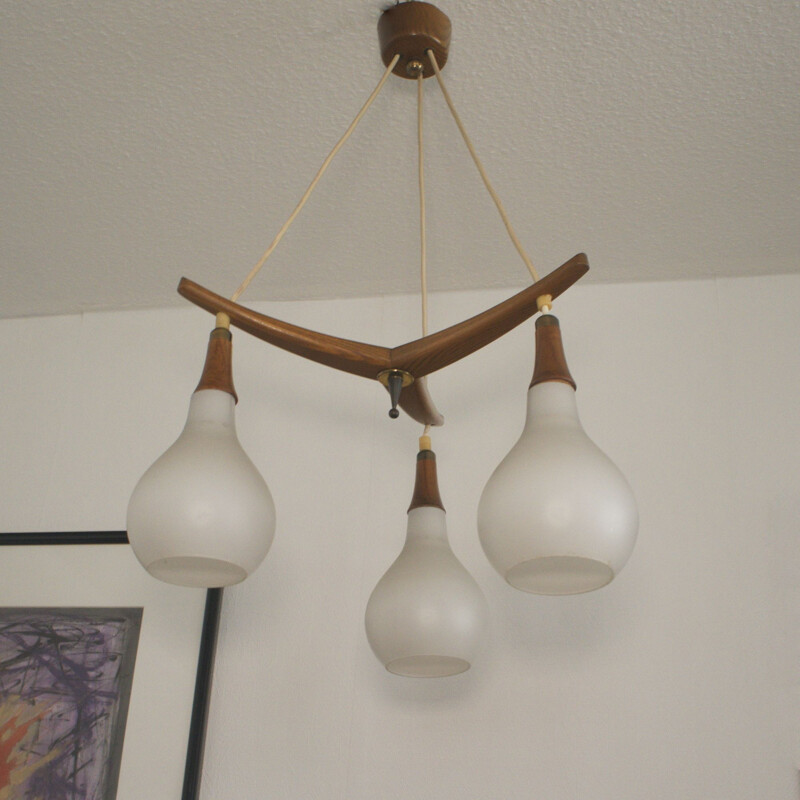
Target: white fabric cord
481,170
253,272
423,247
423,263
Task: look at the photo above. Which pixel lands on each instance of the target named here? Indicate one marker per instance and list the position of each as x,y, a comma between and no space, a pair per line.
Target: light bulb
202,515
557,516
426,617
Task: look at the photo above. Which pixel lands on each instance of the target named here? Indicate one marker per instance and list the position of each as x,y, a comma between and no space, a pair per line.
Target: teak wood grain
551,363
419,358
354,357
217,371
426,485
417,403
438,350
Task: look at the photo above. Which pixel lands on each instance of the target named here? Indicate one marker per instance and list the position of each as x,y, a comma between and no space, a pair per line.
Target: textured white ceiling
146,140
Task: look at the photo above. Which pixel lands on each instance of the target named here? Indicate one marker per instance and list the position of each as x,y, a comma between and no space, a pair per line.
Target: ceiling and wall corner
144,141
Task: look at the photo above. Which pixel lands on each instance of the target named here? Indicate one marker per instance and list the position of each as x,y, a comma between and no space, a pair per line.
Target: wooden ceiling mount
410,29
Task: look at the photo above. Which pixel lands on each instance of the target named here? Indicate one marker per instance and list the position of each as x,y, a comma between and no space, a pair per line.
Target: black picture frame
206,655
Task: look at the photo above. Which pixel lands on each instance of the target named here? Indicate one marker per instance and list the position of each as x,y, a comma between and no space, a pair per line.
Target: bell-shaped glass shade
557,516
427,616
202,514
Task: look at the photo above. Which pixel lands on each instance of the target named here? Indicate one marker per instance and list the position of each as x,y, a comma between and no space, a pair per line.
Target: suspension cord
423,262
481,170
423,247
268,252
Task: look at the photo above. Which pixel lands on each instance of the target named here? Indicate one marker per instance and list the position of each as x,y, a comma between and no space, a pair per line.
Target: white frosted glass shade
202,514
427,616
557,516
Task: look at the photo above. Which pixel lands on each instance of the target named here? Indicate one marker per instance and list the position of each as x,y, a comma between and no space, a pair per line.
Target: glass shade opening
427,666
559,575
196,571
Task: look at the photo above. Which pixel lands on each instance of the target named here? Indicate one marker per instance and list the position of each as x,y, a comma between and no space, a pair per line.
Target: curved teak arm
426,355
419,358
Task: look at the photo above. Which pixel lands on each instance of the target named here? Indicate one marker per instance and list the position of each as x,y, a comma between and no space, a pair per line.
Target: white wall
679,680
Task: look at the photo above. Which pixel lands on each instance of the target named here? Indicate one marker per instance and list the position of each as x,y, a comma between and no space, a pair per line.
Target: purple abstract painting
65,683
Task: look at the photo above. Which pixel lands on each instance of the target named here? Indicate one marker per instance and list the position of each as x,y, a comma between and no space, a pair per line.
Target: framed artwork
105,672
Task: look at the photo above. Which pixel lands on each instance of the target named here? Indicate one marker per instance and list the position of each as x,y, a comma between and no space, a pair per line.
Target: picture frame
163,740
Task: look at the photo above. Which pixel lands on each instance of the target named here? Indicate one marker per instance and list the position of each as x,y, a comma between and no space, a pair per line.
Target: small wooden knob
426,488
551,363
217,371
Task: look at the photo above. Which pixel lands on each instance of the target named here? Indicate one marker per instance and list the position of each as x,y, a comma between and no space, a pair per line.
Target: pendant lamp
426,617
202,514
556,517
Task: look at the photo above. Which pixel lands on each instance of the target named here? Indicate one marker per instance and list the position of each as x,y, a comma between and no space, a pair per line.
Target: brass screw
414,68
